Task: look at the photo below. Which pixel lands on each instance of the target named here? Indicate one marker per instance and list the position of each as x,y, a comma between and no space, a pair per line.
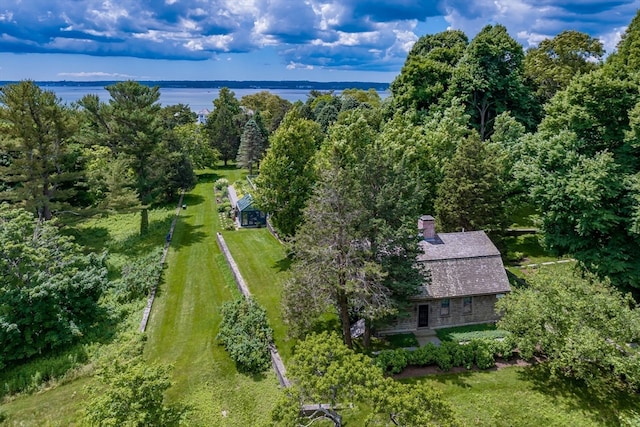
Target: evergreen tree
222,127
252,145
36,133
470,196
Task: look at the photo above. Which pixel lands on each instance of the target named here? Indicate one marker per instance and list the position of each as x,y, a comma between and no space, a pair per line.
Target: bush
424,356
463,355
393,361
245,334
139,277
224,206
484,354
443,356
221,184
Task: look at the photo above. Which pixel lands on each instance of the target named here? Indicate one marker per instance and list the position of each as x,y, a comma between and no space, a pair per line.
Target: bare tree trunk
343,308
366,336
144,221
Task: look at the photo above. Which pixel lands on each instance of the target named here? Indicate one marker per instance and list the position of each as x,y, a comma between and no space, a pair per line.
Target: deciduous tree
555,62
583,326
49,288
287,172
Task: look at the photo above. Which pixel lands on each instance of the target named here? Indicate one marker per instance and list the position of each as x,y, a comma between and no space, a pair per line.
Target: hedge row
481,352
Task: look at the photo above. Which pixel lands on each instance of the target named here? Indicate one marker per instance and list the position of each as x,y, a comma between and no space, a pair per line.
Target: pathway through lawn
185,319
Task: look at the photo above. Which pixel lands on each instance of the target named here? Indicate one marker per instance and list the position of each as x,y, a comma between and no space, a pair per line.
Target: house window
467,305
444,307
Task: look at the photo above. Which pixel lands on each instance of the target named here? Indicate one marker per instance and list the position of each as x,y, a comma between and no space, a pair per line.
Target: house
467,278
244,212
202,116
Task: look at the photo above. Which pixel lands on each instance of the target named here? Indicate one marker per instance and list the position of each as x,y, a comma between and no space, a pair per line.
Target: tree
580,169
130,393
49,289
324,371
37,131
221,126
130,124
555,62
173,116
287,172
426,74
489,80
582,326
332,266
272,107
195,144
353,251
471,196
626,60
252,145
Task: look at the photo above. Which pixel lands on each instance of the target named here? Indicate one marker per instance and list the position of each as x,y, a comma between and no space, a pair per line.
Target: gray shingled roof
463,264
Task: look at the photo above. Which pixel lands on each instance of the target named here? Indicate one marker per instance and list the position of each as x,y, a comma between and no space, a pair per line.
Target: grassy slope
185,319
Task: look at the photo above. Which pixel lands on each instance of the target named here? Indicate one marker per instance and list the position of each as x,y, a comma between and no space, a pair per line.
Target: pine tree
251,147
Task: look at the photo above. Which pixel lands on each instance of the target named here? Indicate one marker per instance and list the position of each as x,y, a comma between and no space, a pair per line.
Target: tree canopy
49,288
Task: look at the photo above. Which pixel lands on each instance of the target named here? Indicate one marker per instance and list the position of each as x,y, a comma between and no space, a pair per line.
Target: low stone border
276,360
152,295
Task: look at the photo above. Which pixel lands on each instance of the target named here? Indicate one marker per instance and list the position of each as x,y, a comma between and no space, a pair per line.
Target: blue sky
321,40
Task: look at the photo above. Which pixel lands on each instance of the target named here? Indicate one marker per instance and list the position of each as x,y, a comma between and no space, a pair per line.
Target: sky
317,40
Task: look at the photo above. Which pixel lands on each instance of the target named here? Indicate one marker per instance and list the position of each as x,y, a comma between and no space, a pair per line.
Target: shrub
245,334
221,184
443,357
424,356
463,355
393,361
484,354
224,206
138,277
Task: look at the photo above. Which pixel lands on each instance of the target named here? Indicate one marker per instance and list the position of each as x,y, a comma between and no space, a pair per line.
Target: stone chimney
427,226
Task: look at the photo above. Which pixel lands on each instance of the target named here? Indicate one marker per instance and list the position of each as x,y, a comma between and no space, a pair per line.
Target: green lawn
185,319
527,397
264,266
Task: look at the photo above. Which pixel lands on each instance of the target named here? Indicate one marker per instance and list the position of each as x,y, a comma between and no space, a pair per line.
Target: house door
423,316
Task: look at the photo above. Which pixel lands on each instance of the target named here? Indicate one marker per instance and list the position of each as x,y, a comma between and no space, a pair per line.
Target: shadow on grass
603,404
192,200
208,177
283,264
186,234
136,244
92,239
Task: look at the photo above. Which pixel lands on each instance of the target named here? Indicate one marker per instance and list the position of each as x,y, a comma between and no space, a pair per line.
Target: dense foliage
583,327
49,289
246,335
324,371
130,392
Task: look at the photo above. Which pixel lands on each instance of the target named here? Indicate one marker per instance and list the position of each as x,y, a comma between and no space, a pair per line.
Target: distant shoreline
231,84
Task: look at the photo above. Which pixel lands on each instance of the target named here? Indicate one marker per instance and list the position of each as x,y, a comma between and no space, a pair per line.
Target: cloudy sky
321,40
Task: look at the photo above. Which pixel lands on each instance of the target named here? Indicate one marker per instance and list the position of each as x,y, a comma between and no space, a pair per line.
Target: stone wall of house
482,311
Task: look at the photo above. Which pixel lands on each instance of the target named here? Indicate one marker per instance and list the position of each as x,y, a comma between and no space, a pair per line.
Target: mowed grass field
185,319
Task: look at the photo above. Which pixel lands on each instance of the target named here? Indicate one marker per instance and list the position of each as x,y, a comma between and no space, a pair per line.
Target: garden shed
244,211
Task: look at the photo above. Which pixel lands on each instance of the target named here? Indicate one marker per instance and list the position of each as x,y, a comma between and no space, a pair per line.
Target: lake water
197,99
